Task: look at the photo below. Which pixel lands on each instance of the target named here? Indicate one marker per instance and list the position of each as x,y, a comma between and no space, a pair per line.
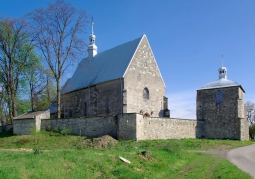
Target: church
124,79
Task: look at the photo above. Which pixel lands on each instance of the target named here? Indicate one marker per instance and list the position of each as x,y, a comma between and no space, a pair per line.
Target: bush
252,131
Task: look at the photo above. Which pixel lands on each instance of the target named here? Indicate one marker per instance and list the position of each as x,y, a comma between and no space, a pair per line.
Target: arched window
146,93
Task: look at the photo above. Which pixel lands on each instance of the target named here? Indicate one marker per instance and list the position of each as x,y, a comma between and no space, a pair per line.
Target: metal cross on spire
222,60
92,24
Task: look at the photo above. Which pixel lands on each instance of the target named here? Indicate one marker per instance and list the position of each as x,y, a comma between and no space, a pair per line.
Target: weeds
37,150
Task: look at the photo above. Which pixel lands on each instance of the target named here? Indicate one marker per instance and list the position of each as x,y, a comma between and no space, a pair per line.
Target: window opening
146,93
219,97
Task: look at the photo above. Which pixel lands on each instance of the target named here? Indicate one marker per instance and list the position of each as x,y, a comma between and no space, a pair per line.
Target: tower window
219,97
146,93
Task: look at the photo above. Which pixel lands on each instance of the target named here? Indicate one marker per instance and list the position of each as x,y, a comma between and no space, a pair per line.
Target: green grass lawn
58,156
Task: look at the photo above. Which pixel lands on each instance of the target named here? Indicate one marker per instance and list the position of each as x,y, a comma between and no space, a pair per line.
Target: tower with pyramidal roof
220,105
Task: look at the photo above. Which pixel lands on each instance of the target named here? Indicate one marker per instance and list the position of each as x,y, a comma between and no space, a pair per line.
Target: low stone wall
23,126
91,127
127,127
165,128
137,127
123,127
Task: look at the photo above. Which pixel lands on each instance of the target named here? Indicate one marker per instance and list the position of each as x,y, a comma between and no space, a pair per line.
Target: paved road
244,158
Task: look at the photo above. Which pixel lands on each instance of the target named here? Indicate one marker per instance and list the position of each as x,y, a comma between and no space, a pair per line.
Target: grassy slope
63,158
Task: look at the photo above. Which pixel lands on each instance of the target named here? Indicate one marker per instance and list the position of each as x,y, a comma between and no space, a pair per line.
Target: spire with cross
92,48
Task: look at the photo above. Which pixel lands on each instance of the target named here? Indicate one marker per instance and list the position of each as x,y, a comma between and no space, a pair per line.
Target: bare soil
105,141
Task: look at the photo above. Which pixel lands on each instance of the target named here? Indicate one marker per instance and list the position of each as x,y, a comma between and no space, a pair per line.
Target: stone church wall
143,73
99,100
223,116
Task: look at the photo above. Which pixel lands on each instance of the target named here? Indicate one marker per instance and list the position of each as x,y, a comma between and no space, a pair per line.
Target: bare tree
15,48
58,29
250,108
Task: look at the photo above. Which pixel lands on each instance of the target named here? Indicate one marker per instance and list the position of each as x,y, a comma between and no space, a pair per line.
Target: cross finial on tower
222,60
92,48
92,24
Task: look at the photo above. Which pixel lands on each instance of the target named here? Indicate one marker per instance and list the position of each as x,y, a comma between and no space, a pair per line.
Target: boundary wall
129,126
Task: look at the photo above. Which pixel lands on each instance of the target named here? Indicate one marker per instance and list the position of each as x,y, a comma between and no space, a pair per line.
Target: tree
36,81
3,106
15,48
58,29
250,112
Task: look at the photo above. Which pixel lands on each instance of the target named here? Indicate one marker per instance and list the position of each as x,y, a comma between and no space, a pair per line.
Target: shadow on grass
8,133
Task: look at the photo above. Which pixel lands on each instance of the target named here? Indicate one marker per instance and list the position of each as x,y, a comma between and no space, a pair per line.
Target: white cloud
182,104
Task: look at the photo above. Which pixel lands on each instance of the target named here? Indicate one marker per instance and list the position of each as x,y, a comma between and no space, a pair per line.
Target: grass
60,157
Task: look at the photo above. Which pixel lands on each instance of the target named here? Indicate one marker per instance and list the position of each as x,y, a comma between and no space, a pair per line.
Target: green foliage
23,106
65,131
252,131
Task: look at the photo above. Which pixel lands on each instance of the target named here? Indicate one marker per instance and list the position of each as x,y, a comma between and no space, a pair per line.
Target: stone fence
124,127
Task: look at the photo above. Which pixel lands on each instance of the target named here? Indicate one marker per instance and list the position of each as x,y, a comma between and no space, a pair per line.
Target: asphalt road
244,158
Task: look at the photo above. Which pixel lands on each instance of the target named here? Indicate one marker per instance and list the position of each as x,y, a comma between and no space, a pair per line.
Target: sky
187,37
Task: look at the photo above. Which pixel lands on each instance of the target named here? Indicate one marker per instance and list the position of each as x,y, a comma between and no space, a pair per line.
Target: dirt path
243,157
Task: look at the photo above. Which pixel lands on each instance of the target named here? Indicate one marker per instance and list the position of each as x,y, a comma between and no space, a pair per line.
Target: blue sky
188,38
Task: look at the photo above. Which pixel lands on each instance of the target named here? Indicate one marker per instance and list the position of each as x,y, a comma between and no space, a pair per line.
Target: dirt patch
99,143
18,150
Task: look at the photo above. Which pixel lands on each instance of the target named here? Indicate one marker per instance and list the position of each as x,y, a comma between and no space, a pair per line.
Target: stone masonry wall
92,127
103,99
143,73
23,126
221,119
39,117
127,127
135,126
167,128
244,125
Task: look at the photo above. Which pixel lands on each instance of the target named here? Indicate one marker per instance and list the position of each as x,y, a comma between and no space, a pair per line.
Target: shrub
252,131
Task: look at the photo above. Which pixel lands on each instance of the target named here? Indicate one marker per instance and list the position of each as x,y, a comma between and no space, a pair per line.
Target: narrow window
219,97
146,93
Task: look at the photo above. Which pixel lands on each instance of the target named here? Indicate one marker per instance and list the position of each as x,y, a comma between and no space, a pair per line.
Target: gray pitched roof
29,115
105,66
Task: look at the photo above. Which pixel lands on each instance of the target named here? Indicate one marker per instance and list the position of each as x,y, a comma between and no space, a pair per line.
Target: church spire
92,48
222,71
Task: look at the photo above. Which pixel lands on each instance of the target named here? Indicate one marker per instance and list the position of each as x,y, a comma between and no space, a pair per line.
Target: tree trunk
58,98
13,99
9,106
